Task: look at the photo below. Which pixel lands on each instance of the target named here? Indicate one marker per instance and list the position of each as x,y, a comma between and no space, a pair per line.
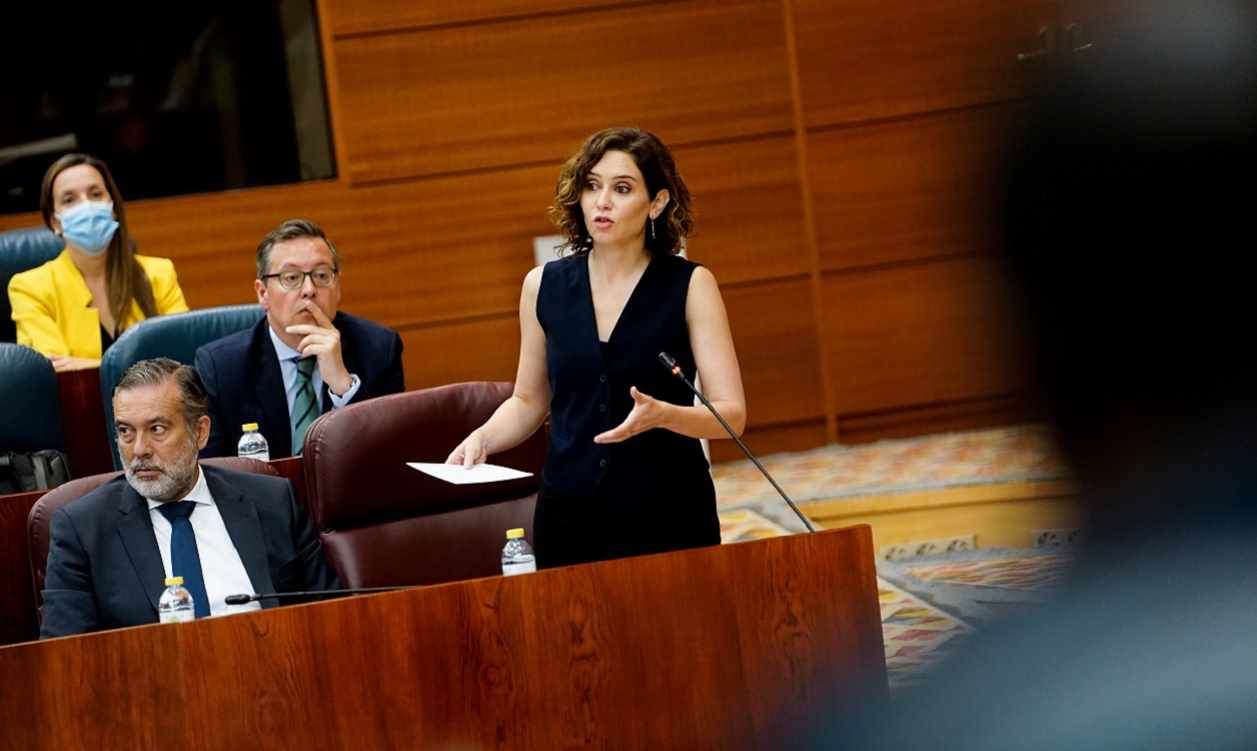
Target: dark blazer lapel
269,387
245,529
136,530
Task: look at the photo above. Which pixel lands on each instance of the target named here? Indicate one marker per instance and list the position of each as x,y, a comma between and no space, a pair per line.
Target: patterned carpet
980,457
928,605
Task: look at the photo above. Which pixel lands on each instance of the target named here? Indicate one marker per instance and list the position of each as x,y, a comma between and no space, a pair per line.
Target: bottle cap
249,426
515,534
173,580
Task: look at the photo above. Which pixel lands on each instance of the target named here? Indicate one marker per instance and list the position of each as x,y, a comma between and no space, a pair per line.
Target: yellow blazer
50,305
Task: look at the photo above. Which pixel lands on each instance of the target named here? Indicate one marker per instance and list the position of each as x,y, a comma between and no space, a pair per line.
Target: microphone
670,363
246,599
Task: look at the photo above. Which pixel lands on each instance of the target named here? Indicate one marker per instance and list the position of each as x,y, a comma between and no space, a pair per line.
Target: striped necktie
305,406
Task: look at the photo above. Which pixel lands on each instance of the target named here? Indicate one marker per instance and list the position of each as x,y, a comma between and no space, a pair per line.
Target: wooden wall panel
479,350
906,189
447,248
748,209
366,16
462,98
903,422
866,59
775,336
771,439
213,237
412,252
917,335
452,120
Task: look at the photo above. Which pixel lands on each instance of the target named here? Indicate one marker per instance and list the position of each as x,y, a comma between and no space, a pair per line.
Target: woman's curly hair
655,162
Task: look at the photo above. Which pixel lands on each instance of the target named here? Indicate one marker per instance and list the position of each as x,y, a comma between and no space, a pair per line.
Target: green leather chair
175,336
22,250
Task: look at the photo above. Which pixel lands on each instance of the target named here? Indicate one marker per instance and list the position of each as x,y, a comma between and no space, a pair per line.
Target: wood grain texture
748,213
777,347
87,443
17,594
771,439
908,189
438,101
918,334
869,59
350,17
466,88
480,350
763,650
904,422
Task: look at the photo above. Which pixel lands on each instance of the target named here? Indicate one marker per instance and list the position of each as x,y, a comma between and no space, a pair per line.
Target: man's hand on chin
323,341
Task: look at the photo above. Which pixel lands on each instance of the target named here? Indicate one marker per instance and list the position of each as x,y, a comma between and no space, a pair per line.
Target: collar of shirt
199,493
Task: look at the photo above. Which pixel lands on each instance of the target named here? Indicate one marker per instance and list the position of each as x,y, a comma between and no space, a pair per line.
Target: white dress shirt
221,566
288,358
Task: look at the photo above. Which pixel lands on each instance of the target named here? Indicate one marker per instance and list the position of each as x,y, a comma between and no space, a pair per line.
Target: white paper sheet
459,475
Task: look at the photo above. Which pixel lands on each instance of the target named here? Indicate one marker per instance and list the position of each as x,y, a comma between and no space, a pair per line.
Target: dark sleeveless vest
589,387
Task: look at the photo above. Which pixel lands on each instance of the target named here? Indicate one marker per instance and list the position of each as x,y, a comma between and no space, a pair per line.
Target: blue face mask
89,225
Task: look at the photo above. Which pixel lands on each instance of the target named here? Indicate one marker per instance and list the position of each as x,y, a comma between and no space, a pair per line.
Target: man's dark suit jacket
105,570
241,373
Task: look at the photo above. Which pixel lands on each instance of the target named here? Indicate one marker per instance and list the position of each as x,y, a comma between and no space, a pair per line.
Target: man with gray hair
305,358
224,532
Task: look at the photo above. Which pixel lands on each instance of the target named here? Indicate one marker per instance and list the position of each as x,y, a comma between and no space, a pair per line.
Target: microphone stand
244,599
671,364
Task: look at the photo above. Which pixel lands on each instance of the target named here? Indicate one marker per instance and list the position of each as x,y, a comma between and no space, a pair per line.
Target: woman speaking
625,472
74,306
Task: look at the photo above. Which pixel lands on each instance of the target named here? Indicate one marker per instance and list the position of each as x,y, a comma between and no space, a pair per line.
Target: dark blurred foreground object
1128,236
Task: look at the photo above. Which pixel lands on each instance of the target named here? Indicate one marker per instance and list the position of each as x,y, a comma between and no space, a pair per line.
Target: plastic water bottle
252,444
517,557
175,604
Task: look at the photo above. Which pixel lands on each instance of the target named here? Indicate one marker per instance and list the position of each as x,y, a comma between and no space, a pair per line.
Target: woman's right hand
472,451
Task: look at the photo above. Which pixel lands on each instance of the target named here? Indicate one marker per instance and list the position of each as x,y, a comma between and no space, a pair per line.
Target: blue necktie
185,561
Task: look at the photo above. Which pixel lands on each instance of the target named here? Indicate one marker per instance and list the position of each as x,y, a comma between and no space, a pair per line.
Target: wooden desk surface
746,645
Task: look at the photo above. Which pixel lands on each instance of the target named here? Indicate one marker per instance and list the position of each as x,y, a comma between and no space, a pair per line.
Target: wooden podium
748,645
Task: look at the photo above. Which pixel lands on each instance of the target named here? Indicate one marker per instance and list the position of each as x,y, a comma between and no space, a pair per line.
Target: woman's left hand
647,413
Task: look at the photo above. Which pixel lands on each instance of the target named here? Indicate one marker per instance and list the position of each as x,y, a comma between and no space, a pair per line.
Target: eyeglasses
291,279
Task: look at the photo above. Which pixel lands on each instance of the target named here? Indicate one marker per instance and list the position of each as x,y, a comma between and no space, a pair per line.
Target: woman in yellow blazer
74,306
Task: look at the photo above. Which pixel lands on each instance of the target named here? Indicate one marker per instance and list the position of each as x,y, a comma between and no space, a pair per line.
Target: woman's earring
652,228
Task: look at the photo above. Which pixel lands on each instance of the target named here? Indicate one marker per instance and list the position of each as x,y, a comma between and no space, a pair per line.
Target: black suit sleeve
316,571
219,435
388,379
394,380
69,594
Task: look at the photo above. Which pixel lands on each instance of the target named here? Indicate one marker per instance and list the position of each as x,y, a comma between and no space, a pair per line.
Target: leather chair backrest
22,250
384,523
39,519
175,336
30,412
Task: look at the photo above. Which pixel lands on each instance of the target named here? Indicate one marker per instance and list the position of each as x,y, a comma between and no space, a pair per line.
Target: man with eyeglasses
304,358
